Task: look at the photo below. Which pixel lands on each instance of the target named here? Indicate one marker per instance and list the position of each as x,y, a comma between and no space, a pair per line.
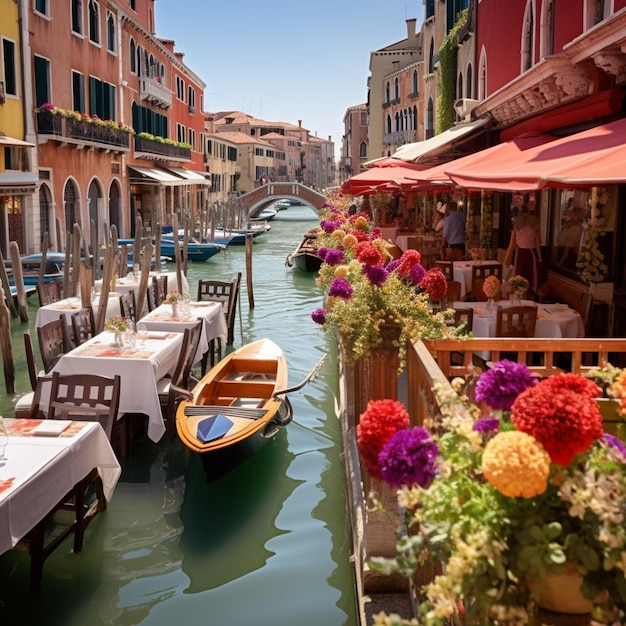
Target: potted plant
118,325
505,502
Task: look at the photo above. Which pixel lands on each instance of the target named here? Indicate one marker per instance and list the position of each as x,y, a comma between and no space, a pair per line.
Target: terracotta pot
561,593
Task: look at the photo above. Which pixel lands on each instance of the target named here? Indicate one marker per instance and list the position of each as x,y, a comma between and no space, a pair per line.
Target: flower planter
613,422
561,593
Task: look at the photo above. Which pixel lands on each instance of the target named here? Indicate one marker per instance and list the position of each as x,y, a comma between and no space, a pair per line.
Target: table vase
490,306
175,309
118,341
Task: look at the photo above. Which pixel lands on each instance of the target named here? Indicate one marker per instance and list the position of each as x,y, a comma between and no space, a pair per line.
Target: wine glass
4,440
142,334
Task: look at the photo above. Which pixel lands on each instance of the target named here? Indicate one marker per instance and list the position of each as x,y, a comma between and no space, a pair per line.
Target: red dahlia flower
366,252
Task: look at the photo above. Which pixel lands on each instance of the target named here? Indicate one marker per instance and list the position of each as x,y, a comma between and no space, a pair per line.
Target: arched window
431,56
430,119
115,205
415,120
459,86
133,58
139,60
110,32
388,123
397,121
387,92
94,21
482,75
469,87
363,150
546,40
397,89
45,207
528,37
77,16
71,206
414,87
95,197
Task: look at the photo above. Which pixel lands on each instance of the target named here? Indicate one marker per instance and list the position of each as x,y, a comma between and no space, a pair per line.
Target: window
94,22
180,88
180,133
132,55
397,89
192,138
110,32
41,6
363,150
102,99
468,81
363,118
429,131
42,81
414,84
388,123
547,29
430,9
431,56
77,16
191,98
10,73
78,92
482,75
133,5
387,93
528,53
147,121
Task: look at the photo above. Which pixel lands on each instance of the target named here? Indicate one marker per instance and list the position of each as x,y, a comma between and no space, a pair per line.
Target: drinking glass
4,440
142,334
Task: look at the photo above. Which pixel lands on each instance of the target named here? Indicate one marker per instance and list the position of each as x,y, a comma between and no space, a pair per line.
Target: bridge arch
265,195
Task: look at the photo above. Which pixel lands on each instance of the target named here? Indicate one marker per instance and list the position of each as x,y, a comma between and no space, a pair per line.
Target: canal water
268,544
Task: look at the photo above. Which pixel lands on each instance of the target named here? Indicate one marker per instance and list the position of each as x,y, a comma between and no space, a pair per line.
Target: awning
596,156
439,143
14,183
193,177
152,175
392,177
507,150
18,143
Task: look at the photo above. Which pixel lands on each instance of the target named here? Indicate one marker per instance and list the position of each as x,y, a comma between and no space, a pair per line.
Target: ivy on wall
447,68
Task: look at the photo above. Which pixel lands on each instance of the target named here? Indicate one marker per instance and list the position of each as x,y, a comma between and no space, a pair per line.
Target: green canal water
266,545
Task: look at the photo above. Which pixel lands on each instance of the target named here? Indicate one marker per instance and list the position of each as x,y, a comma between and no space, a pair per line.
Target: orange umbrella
370,180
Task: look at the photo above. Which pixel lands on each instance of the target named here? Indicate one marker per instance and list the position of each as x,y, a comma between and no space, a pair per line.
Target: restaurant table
463,273
212,313
68,306
129,283
425,244
40,470
139,369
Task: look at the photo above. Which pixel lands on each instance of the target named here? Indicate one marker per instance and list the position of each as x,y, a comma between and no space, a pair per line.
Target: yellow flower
338,234
361,222
341,271
516,464
349,241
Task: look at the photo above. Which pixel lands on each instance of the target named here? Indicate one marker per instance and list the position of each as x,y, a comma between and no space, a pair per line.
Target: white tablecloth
139,371
66,307
40,470
212,313
463,273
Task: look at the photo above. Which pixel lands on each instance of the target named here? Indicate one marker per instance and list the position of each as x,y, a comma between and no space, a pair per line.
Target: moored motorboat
236,408
31,267
305,257
196,250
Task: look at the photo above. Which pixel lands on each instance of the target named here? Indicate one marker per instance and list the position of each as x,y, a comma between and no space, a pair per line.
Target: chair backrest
152,295
586,300
479,273
186,357
53,342
225,292
447,267
127,306
516,321
157,291
453,294
83,325
464,316
48,292
31,361
85,397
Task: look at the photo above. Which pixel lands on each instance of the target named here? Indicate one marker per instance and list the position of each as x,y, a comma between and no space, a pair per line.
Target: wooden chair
91,398
53,342
49,292
83,325
157,291
175,388
25,405
127,306
464,316
516,321
447,267
228,294
453,294
479,273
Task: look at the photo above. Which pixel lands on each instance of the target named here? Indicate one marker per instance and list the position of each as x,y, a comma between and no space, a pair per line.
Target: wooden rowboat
234,410
304,257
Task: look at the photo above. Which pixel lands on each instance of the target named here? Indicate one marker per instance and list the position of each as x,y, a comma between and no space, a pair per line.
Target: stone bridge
265,195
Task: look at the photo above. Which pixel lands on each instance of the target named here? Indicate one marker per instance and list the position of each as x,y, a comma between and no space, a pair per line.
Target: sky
285,60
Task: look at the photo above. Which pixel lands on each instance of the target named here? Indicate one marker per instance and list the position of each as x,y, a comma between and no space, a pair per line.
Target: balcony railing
155,147
399,138
82,132
155,92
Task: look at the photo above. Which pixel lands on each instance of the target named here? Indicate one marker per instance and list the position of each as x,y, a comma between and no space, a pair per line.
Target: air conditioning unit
464,107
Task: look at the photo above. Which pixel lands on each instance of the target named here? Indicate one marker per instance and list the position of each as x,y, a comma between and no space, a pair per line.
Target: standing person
453,232
439,216
525,244
570,238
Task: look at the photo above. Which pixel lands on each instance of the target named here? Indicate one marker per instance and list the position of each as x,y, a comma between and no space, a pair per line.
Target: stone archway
261,197
115,206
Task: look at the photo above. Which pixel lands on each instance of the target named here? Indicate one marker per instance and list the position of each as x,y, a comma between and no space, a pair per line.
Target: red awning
507,150
391,176
596,156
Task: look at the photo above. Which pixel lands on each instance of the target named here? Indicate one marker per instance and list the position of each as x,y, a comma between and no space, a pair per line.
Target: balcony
83,133
153,91
399,138
155,149
467,29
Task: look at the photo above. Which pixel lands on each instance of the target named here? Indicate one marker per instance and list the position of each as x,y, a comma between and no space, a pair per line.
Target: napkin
51,428
158,334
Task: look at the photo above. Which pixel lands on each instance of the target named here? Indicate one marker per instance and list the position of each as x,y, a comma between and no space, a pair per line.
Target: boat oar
308,378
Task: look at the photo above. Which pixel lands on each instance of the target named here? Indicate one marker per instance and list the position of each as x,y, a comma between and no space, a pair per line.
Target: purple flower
487,424
376,274
409,457
340,288
329,226
322,252
319,316
392,265
416,274
500,385
334,257
614,442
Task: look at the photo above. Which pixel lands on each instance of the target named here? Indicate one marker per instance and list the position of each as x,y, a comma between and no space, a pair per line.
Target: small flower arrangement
502,501
518,284
492,286
366,290
477,254
116,324
173,297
